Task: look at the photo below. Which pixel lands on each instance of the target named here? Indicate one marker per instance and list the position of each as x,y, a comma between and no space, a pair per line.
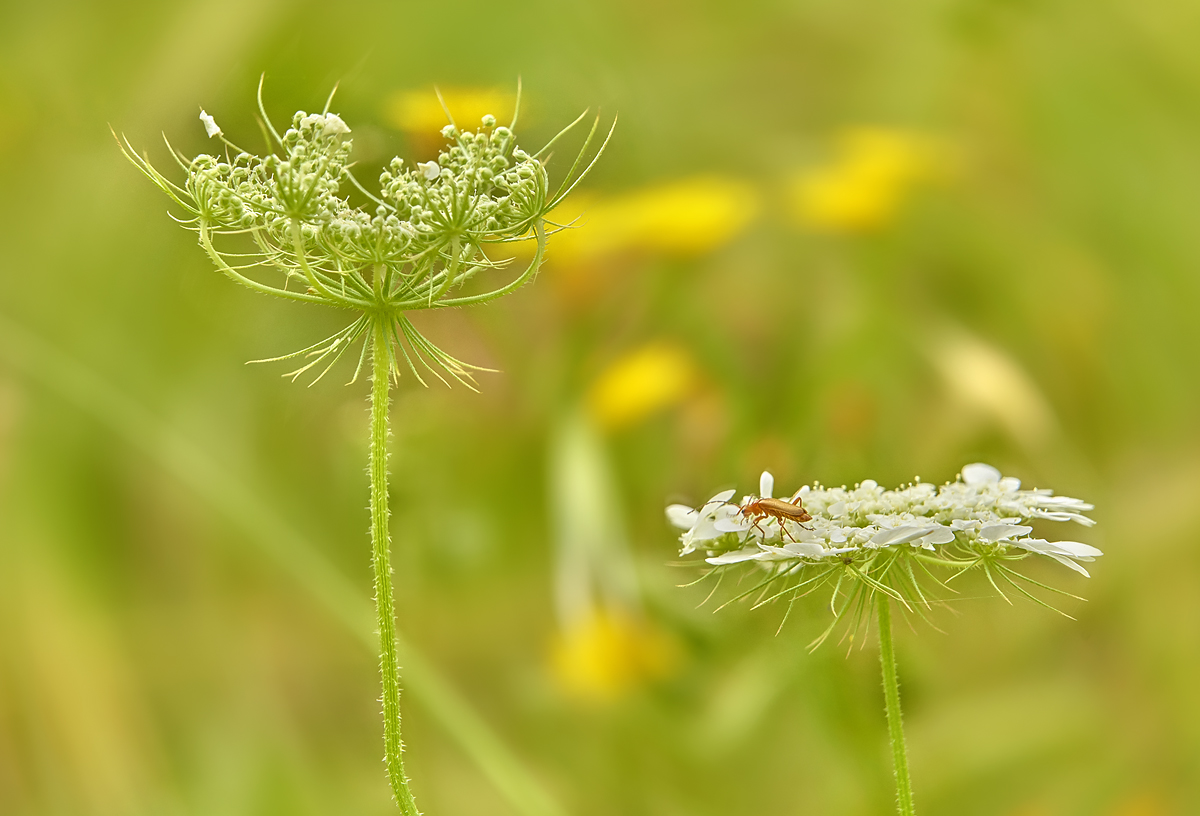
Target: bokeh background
835,240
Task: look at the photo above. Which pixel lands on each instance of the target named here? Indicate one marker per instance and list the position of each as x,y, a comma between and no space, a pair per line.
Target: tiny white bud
330,123
210,125
334,126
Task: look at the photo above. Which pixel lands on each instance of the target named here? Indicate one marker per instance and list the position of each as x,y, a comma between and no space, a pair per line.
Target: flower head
604,656
873,536
640,383
414,244
866,184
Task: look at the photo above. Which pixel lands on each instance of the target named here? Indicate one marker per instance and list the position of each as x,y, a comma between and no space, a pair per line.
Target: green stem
891,696
385,603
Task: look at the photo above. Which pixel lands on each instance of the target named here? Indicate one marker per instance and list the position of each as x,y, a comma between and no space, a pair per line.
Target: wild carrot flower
873,546
415,244
283,224
978,510
871,535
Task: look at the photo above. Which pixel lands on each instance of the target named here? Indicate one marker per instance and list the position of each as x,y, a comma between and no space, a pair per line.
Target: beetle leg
761,531
783,530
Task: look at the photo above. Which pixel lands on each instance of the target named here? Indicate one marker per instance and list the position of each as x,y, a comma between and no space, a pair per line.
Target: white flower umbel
887,540
874,546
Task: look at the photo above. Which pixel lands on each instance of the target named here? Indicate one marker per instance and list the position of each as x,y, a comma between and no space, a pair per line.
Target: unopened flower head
875,536
413,244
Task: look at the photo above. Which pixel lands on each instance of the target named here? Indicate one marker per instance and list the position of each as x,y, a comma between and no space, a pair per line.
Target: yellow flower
640,383
420,112
688,216
866,184
606,655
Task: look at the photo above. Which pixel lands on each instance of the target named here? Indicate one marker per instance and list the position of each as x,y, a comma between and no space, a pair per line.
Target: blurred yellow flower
689,216
987,380
641,383
606,655
865,185
421,113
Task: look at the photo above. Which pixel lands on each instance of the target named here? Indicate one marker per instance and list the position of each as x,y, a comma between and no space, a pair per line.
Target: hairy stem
891,696
385,603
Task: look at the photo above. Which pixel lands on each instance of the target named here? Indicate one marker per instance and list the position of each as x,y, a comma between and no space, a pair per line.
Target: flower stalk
381,542
891,697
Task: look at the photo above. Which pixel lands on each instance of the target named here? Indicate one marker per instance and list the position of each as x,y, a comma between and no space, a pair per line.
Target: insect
758,508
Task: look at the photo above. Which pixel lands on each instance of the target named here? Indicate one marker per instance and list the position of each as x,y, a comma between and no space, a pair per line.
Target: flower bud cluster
272,192
481,187
413,246
981,515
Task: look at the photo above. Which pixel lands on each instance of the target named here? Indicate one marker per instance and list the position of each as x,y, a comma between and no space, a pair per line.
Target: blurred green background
835,240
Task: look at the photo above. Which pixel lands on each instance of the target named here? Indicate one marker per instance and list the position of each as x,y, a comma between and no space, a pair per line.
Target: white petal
334,126
999,532
682,516
1061,551
795,549
1051,515
942,535
778,554
837,551
734,524
1071,549
1069,563
722,497
1080,550
1065,502
430,169
766,483
897,535
704,530
979,474
808,549
210,125
748,554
